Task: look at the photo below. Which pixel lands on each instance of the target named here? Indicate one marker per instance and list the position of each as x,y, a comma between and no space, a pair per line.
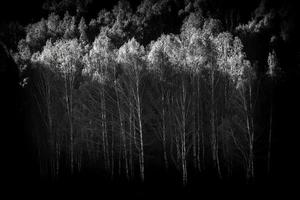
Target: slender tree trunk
106,138
140,131
198,122
201,130
178,154
69,112
183,135
196,125
57,155
123,136
252,130
270,138
120,156
112,149
214,137
164,130
130,141
102,126
72,144
250,170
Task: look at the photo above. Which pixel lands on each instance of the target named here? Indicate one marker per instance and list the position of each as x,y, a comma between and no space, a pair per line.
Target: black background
20,176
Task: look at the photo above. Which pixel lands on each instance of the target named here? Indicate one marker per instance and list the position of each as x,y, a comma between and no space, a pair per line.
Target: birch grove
187,99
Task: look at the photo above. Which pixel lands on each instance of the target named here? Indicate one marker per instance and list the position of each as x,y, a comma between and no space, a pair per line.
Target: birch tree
176,51
131,57
273,70
159,67
66,56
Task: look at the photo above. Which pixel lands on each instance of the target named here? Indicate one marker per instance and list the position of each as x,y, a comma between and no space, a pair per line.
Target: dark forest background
268,33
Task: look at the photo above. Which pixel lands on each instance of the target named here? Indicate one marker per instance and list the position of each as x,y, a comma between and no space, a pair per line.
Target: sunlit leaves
212,27
24,50
65,55
273,69
157,50
191,23
196,55
226,51
130,52
99,58
157,58
53,27
70,53
36,34
256,25
231,58
175,50
102,47
48,56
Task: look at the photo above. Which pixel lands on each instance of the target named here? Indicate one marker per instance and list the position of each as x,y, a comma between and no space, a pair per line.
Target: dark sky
20,10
